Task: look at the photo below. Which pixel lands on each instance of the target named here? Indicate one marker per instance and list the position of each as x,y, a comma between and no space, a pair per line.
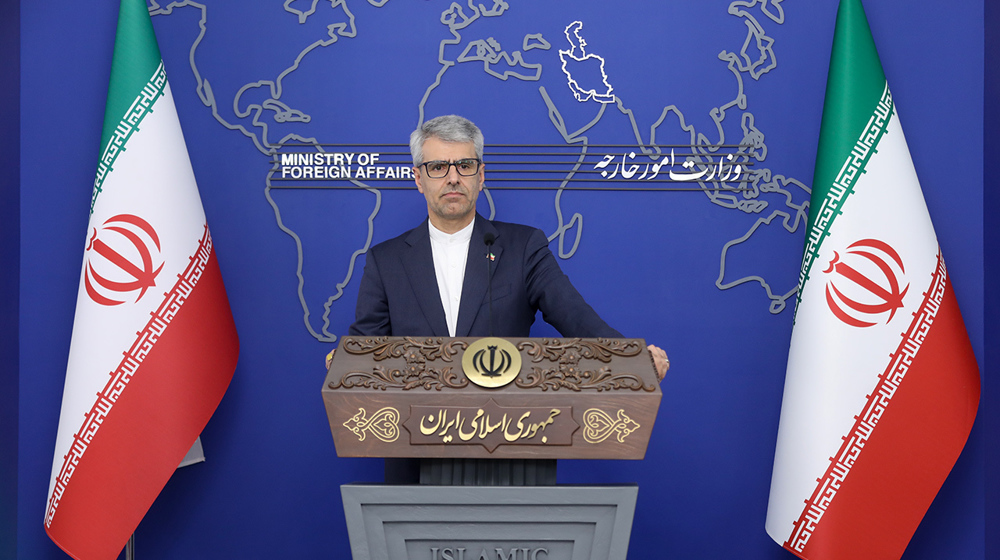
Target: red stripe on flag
166,404
874,495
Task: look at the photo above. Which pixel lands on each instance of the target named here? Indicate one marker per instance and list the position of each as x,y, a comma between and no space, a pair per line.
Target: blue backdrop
706,275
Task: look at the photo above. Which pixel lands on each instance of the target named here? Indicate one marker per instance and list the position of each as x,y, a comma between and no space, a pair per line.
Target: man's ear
416,179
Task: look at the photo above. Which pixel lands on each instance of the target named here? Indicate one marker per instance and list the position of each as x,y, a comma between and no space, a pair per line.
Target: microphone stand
488,239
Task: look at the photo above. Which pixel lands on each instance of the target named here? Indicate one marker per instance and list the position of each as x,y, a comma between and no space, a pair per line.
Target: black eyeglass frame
448,165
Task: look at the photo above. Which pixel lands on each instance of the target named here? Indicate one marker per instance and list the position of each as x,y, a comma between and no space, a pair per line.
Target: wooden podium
495,400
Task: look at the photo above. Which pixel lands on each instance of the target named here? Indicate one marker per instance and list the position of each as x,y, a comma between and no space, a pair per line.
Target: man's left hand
660,361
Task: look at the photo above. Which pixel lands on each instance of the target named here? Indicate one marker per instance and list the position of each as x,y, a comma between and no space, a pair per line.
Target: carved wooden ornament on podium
518,398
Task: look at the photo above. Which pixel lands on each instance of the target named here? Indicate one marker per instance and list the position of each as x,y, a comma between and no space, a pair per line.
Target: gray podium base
489,522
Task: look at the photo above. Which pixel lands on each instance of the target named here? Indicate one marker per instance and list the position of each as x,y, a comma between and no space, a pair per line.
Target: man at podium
434,279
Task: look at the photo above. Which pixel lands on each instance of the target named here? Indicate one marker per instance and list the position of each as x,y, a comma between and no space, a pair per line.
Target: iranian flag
154,345
882,385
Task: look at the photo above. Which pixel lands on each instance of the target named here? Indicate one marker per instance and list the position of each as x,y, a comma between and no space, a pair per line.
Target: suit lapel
475,285
419,264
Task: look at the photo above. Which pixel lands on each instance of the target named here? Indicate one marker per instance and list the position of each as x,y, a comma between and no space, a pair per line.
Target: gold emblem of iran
491,362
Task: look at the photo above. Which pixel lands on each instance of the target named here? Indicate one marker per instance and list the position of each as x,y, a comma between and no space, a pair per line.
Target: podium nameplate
514,398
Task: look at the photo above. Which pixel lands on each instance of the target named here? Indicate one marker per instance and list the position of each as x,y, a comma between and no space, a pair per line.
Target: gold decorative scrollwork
384,424
599,425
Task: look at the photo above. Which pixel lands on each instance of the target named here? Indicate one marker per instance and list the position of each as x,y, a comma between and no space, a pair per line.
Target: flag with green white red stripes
882,386
154,345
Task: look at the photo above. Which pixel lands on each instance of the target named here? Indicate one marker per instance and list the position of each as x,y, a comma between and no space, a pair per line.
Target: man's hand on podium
329,359
660,361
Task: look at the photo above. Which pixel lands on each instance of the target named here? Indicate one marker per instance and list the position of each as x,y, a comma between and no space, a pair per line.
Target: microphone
488,239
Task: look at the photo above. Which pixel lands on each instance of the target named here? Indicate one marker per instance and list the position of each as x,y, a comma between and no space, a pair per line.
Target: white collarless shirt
450,252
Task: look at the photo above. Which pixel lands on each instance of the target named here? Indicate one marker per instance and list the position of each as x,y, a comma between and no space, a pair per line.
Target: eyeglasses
438,169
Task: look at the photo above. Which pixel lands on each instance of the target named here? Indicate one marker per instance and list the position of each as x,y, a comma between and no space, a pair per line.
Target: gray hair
448,128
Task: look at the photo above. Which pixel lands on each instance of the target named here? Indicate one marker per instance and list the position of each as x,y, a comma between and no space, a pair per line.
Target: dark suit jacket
399,293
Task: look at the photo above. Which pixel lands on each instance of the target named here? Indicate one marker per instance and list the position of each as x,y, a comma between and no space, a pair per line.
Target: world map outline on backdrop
258,108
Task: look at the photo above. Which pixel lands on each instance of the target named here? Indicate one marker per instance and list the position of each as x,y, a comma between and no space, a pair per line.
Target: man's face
451,200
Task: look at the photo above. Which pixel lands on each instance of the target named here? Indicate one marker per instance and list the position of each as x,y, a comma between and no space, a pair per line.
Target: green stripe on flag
141,106
135,59
856,111
136,65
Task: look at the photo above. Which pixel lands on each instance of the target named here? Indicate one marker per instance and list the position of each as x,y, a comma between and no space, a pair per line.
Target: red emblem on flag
865,283
120,259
